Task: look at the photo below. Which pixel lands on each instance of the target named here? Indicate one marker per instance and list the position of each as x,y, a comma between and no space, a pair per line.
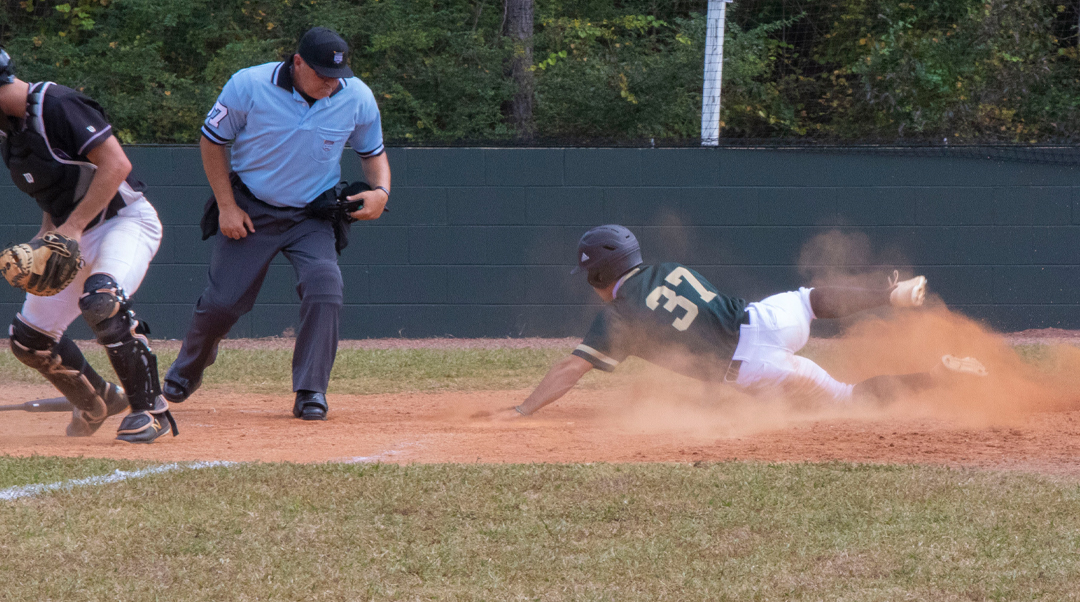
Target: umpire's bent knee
322,280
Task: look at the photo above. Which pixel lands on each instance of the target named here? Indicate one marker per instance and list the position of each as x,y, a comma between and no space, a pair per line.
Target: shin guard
108,312
63,365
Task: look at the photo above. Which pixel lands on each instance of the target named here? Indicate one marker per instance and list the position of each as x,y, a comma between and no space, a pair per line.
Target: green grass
729,531
41,469
370,371
356,371
378,371
1043,357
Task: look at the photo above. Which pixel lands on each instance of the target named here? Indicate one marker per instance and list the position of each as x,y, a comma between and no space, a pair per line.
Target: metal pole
714,64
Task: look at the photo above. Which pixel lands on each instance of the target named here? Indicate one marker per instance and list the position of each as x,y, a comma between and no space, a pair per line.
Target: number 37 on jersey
674,301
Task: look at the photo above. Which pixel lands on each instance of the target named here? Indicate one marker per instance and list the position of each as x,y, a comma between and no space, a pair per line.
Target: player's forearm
376,171
112,168
215,159
557,382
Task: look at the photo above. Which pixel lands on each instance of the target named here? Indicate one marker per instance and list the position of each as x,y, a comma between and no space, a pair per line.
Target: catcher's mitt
44,266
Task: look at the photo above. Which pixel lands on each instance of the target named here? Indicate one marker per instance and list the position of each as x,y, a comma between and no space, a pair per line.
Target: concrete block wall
480,241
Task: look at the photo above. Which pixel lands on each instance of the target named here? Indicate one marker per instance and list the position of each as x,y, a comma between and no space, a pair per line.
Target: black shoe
310,405
175,392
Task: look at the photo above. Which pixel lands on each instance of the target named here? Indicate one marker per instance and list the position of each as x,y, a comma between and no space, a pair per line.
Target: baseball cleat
964,365
907,293
83,424
147,425
310,405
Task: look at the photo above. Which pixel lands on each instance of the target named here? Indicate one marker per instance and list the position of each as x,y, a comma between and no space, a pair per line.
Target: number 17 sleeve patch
216,114
222,123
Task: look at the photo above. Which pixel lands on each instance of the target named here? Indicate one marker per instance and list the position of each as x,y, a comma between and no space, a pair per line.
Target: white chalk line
390,453
368,459
21,491
14,493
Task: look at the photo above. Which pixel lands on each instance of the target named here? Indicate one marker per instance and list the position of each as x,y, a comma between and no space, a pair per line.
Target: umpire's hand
233,221
374,203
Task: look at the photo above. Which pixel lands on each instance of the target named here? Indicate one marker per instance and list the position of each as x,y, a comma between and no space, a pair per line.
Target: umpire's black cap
325,52
606,253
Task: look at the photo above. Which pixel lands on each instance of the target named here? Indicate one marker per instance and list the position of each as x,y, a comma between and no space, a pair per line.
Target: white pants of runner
121,247
779,327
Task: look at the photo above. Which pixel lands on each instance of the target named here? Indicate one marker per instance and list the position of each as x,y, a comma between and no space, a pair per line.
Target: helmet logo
29,178
584,257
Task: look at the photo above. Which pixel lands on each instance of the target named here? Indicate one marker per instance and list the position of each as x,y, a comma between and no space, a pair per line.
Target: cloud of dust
883,342
903,342
838,258
915,340
660,401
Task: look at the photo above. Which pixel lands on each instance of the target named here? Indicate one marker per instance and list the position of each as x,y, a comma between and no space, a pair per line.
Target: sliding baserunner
670,315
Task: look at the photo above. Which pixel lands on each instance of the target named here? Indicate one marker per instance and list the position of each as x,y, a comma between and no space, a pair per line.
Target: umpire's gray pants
237,271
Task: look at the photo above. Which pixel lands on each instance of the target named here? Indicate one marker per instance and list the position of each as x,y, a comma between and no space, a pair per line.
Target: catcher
98,235
670,315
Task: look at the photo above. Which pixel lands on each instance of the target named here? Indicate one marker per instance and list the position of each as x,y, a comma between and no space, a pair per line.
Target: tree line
588,71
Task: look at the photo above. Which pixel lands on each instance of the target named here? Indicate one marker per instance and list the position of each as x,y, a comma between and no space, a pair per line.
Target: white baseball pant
779,327
121,247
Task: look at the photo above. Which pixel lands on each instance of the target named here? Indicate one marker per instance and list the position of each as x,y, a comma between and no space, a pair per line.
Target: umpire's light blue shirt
284,150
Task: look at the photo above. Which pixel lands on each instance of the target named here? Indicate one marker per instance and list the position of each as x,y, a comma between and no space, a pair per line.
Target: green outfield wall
480,241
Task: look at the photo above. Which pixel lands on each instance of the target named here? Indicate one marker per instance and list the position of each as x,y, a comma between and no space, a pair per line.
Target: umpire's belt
209,222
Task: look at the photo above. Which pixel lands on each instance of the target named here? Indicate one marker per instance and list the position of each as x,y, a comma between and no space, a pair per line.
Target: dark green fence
480,241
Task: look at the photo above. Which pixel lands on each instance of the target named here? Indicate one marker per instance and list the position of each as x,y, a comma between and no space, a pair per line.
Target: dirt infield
1018,422
585,427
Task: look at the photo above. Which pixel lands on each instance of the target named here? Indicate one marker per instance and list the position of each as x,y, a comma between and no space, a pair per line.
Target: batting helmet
606,253
7,69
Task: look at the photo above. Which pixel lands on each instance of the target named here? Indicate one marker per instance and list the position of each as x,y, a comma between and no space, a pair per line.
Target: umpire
288,123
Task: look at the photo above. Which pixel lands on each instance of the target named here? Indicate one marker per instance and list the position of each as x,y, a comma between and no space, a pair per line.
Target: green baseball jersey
671,316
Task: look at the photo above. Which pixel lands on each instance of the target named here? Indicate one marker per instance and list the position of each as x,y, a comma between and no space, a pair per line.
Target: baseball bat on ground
53,404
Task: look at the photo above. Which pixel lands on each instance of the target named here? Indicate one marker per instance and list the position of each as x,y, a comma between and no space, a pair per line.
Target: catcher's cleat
84,424
310,405
907,293
963,365
147,425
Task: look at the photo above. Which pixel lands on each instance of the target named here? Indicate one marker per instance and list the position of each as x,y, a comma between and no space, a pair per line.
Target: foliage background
611,71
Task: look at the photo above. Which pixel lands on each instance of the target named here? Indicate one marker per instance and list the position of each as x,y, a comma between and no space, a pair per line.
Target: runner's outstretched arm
560,378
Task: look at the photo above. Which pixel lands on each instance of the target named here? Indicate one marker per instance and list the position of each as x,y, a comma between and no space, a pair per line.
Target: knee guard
63,365
105,308
108,312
